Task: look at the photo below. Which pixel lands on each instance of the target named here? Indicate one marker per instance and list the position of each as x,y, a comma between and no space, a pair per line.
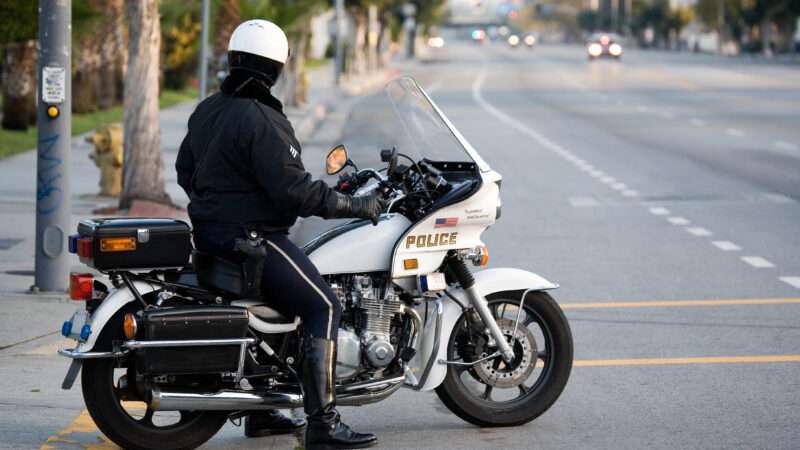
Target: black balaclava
252,76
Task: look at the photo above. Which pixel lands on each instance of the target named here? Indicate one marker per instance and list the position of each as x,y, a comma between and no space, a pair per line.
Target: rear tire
531,404
103,404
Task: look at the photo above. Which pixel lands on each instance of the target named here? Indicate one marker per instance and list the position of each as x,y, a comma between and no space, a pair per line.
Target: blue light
423,283
86,330
66,328
73,243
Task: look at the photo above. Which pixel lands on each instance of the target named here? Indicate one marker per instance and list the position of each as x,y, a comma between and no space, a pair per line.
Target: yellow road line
677,303
685,361
82,433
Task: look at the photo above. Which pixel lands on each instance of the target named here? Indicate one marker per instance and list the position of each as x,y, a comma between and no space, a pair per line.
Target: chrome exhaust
225,400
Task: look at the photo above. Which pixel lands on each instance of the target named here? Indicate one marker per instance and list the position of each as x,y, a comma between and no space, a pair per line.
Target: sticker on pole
54,84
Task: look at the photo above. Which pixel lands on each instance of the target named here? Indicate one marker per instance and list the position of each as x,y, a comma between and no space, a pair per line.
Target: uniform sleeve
280,172
184,165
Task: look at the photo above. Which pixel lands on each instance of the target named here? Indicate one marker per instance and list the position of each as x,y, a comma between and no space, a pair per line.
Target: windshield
422,123
406,119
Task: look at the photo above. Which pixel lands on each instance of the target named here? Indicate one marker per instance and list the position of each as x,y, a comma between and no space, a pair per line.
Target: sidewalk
24,316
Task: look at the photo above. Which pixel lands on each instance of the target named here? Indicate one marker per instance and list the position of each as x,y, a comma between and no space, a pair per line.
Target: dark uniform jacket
240,162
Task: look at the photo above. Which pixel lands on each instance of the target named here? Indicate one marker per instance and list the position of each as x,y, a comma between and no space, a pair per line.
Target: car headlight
615,49
595,49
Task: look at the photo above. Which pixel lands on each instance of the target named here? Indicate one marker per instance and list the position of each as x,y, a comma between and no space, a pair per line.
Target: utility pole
54,120
204,52
338,65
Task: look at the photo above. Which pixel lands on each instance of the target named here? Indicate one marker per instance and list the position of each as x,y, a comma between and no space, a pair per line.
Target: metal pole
204,52
54,120
339,63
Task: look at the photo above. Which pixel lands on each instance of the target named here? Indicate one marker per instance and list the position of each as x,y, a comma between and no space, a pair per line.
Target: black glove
367,206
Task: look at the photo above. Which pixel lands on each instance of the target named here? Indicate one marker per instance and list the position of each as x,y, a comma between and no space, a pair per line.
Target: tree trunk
19,86
86,79
360,44
228,17
113,55
143,171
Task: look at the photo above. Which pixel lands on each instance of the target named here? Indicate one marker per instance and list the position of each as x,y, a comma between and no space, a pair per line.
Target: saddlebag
126,244
191,323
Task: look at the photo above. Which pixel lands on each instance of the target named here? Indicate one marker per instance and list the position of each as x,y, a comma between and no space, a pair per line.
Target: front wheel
132,424
495,394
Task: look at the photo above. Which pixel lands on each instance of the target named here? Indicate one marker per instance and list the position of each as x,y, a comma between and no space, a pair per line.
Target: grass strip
13,142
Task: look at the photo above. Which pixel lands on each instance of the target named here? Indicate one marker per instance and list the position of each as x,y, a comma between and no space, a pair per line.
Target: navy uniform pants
290,282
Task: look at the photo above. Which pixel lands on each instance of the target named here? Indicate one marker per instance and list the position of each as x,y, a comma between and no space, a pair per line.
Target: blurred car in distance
435,42
601,45
478,35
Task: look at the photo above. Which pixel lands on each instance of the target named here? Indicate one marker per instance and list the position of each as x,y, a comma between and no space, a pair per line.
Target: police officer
240,165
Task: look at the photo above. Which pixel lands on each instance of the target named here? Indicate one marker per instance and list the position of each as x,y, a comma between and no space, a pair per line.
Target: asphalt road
645,187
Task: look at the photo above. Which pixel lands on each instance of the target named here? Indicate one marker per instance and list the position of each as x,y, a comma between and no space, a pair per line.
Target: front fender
487,282
111,304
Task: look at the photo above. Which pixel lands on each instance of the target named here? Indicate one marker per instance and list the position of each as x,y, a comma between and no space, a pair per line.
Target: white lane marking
698,122
726,246
667,115
734,132
619,186
597,173
519,126
792,281
630,193
679,221
641,108
608,180
786,148
659,211
583,202
757,262
699,231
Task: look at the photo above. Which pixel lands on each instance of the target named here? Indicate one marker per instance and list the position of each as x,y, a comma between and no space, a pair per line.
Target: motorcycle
169,351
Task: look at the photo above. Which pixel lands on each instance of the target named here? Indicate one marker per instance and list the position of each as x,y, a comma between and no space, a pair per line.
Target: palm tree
18,27
143,169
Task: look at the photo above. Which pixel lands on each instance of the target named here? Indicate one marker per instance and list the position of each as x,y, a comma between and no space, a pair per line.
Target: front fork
464,277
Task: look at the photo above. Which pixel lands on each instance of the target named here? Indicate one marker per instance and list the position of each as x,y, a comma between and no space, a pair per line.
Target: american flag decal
446,222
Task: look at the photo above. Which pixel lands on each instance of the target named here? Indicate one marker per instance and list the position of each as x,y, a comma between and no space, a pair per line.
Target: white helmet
260,47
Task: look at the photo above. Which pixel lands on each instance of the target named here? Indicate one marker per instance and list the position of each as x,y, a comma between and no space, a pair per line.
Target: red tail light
80,286
85,248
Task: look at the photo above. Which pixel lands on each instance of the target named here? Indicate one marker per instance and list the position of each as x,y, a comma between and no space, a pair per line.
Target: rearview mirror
336,160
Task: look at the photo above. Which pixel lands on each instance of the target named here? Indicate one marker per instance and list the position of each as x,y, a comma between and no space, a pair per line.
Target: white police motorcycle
169,351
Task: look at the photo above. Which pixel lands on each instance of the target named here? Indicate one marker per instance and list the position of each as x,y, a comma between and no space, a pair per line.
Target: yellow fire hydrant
108,156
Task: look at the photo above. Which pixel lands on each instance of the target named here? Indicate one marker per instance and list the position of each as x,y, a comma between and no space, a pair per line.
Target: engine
366,338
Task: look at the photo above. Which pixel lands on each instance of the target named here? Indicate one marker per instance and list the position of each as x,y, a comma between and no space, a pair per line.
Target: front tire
553,364
125,429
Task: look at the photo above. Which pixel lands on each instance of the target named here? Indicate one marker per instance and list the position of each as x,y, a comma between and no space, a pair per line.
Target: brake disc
496,373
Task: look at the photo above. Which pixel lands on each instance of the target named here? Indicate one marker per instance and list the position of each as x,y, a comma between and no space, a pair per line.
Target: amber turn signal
118,244
129,326
484,256
410,264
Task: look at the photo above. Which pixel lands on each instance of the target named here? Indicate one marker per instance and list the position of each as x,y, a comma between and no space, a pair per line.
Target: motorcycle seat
261,310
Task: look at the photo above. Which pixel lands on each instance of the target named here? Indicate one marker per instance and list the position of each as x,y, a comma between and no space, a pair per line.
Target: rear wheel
495,394
132,424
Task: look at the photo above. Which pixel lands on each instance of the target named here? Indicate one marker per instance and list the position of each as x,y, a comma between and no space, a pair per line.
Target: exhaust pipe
225,400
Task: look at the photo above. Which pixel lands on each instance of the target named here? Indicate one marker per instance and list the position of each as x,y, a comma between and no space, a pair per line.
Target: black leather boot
269,423
325,430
